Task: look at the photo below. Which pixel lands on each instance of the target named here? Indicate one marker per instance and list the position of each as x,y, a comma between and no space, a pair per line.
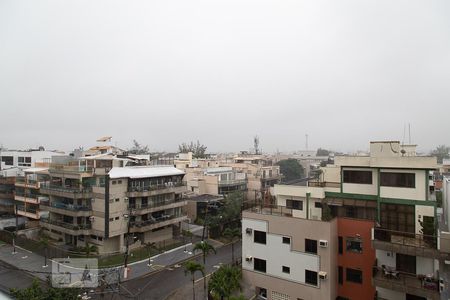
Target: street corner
74,273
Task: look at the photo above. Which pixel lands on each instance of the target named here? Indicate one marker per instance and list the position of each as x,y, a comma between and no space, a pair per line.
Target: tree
192,267
89,249
44,242
322,152
225,280
36,292
291,169
198,150
206,249
138,148
150,246
228,213
231,234
441,152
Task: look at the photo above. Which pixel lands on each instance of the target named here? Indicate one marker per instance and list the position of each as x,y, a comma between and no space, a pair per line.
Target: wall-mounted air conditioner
323,243
248,231
323,275
249,258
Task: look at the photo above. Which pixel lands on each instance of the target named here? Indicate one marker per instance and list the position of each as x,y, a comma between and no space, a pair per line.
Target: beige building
98,199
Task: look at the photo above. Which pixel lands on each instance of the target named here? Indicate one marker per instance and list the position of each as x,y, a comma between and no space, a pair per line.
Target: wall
362,261
421,211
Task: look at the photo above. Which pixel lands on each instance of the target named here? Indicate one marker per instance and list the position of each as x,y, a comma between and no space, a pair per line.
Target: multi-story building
101,199
12,161
27,193
7,195
376,219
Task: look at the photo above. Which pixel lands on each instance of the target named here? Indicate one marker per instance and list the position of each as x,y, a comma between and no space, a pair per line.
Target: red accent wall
363,261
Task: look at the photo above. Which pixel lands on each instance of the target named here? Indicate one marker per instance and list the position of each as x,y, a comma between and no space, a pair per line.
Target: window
113,182
294,204
354,244
311,246
340,244
286,270
407,180
340,275
259,237
259,265
8,160
262,292
286,240
354,275
361,177
117,199
311,277
111,219
117,218
318,204
119,181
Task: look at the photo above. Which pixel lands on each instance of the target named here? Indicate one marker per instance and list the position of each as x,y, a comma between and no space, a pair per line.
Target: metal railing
67,225
66,206
154,220
66,189
70,168
26,195
273,210
232,182
405,238
155,187
153,204
324,184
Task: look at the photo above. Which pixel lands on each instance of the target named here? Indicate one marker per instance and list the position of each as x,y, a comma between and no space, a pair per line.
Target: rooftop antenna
256,144
404,134
409,130
306,142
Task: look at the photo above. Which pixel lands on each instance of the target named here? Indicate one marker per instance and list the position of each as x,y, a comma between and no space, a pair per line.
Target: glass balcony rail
70,226
66,206
66,189
154,220
148,188
153,204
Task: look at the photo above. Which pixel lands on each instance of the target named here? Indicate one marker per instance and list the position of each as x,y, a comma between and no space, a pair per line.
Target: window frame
357,177
257,234
353,277
309,275
400,182
286,269
258,262
349,242
311,245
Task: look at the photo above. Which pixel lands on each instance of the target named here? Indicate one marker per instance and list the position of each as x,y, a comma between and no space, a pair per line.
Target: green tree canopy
138,148
291,169
36,292
441,152
225,281
322,152
198,150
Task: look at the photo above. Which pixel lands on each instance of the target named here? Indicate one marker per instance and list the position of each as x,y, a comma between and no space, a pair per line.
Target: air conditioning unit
249,258
323,275
248,231
125,199
323,243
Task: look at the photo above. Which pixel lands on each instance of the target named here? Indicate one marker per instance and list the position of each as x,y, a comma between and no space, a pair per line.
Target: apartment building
13,161
381,218
7,195
27,193
104,199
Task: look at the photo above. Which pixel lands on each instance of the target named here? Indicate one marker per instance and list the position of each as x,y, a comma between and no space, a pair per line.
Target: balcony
28,183
28,198
69,228
153,190
143,226
66,192
407,243
324,184
235,182
28,212
273,210
67,209
145,208
407,283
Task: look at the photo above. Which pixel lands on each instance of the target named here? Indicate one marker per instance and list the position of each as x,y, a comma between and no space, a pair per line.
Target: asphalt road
165,282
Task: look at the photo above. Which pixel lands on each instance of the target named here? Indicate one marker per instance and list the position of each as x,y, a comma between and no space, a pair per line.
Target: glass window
294,204
407,180
259,265
340,275
259,237
286,270
354,244
311,246
340,245
311,277
8,160
286,240
354,275
361,177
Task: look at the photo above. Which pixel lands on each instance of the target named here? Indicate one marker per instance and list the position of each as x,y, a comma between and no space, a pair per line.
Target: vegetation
138,148
441,152
232,234
291,169
229,214
89,249
36,292
206,249
326,213
322,152
198,150
225,281
192,267
44,242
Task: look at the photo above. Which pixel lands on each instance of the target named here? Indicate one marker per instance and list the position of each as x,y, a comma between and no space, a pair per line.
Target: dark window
113,182
259,237
259,265
8,160
407,180
318,204
294,204
119,181
311,246
286,240
28,160
311,277
354,244
286,270
361,177
340,245
354,275
340,275
398,217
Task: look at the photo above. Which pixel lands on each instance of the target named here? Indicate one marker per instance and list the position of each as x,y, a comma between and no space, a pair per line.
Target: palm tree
44,242
205,248
231,234
89,249
225,281
192,267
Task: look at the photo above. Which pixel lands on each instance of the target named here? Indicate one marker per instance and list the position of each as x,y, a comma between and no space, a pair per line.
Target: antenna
409,130
306,141
404,134
256,144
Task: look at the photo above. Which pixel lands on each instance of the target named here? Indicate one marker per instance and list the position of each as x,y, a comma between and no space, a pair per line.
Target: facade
12,162
199,205
103,199
382,211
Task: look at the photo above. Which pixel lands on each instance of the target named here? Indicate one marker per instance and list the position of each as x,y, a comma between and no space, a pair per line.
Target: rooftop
144,172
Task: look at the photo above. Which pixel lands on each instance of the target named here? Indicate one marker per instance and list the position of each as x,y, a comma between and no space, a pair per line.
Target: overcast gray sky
221,71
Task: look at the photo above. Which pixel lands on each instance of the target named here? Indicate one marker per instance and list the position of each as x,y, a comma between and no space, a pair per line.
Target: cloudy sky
163,72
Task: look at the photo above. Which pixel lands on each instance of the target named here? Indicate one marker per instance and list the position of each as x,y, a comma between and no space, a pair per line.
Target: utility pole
125,269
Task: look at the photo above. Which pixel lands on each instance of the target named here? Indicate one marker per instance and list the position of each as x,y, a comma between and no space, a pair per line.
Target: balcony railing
420,285
70,169
153,204
27,195
232,182
66,189
150,188
70,226
65,206
273,210
324,184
